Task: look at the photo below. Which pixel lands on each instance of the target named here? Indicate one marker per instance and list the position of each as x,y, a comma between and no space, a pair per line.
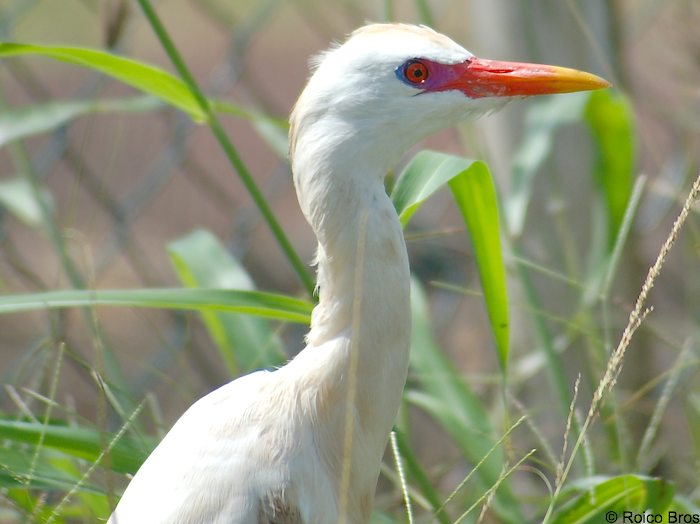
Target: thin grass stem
228,147
493,488
636,317
402,477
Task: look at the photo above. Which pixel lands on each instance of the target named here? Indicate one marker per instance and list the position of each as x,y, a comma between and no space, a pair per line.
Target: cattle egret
303,443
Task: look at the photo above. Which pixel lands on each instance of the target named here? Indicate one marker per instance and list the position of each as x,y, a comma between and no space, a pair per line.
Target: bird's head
390,85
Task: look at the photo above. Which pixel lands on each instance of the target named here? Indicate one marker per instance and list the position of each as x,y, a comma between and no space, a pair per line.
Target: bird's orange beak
478,78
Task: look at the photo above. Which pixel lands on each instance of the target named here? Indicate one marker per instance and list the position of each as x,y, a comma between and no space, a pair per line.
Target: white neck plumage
360,331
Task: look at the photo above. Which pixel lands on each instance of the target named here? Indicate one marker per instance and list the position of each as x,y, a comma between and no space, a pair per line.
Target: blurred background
122,185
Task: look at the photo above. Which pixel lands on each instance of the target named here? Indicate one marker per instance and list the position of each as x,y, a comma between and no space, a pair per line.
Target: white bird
303,443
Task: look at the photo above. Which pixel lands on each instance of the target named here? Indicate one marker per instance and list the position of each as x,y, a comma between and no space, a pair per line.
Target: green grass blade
455,407
147,78
144,77
476,197
691,410
424,13
634,493
425,484
244,342
473,190
610,119
231,152
183,95
125,457
555,365
95,503
18,197
599,286
267,305
427,172
40,118
543,118
274,131
18,471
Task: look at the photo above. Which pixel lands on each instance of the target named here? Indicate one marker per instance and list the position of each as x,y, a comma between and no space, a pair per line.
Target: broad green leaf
544,117
124,457
454,406
634,493
17,196
610,119
144,77
256,303
473,190
244,342
40,118
427,172
476,197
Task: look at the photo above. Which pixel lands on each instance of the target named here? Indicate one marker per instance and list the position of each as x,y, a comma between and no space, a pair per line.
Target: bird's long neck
362,269
340,185
363,285
360,331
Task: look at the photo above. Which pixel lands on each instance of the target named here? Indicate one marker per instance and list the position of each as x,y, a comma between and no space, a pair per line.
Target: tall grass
104,342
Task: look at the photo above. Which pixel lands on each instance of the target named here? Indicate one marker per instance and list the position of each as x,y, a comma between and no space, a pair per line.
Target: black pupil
415,72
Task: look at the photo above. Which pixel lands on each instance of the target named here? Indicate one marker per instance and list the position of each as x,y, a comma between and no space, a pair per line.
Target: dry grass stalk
636,317
640,311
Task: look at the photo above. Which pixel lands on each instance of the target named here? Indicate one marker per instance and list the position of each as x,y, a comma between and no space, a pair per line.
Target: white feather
282,434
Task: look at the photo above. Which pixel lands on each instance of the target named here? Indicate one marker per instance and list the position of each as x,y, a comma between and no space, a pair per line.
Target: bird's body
303,444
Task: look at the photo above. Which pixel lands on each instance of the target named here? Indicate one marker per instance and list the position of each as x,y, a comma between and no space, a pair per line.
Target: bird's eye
415,72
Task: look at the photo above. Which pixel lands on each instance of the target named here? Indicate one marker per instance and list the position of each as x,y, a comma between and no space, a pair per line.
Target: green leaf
610,119
427,172
268,305
543,118
473,190
40,118
144,77
598,496
17,196
244,342
125,456
454,406
476,197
